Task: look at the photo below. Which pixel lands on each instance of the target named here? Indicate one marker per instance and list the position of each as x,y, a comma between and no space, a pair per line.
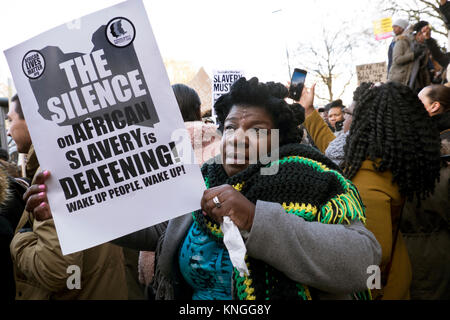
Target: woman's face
335,115
246,132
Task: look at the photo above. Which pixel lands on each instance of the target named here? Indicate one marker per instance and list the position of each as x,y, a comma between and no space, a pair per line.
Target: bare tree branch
346,85
321,98
332,53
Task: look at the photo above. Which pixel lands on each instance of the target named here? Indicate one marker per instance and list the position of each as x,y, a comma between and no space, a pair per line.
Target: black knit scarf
308,185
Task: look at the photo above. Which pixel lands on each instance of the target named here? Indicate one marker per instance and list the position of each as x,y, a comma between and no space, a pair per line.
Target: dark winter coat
426,230
442,58
445,13
11,207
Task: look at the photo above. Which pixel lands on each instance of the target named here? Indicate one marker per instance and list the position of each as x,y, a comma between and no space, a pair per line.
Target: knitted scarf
335,149
307,185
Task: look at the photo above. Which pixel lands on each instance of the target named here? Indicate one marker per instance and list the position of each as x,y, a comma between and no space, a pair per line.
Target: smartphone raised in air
297,84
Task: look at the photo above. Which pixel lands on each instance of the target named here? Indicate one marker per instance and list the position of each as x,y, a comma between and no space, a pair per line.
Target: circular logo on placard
120,32
33,64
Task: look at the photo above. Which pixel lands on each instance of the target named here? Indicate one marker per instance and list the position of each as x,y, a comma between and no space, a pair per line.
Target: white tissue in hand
235,245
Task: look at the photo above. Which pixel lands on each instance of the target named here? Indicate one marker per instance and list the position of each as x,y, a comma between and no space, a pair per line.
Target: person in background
205,138
398,27
302,222
323,113
444,8
335,149
425,224
336,116
4,154
440,57
207,117
410,59
11,168
391,154
40,268
11,208
13,188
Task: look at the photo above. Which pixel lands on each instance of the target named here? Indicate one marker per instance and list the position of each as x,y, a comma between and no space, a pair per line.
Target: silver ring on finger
217,202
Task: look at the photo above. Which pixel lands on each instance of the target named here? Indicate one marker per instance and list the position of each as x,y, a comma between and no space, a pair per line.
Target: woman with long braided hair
302,222
426,227
391,124
391,154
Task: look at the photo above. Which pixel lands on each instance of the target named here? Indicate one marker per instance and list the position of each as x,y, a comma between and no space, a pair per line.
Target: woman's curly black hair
359,92
269,96
391,125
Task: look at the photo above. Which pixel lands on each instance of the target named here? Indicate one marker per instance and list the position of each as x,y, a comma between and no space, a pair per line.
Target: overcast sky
251,35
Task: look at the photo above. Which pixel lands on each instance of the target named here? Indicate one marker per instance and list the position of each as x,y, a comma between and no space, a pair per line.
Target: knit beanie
401,23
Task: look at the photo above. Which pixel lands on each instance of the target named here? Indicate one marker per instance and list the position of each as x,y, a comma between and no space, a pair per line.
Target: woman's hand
307,99
426,32
36,198
232,203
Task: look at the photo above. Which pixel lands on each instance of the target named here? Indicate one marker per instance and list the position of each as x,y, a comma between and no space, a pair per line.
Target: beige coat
42,272
403,61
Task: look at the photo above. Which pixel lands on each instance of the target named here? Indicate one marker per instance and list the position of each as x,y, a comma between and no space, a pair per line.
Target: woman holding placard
302,222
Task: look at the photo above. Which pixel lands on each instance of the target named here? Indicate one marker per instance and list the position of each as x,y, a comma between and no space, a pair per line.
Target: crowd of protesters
368,187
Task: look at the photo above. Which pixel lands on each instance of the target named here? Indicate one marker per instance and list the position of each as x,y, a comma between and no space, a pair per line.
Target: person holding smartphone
386,116
302,222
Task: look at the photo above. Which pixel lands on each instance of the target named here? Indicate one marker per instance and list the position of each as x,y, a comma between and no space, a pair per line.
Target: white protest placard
221,84
372,72
101,112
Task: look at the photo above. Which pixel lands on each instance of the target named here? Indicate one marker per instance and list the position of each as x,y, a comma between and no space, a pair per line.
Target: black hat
419,25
